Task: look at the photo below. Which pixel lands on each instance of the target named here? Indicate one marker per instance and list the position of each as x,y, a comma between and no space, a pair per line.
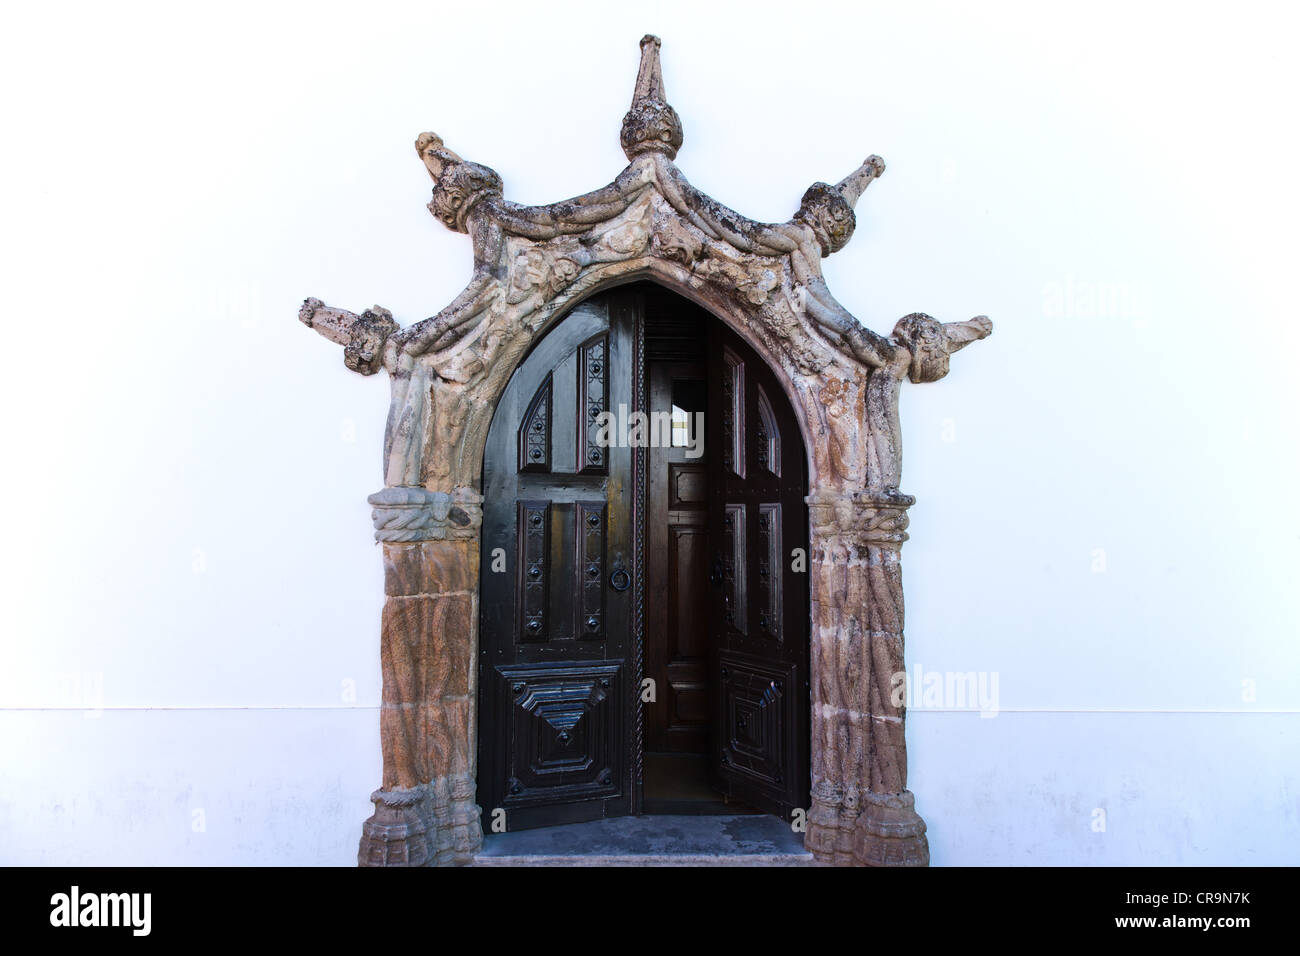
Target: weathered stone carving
862,812
415,514
427,825
651,125
362,336
532,264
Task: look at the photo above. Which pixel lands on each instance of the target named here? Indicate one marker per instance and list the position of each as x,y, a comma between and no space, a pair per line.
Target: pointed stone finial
651,125
650,77
829,209
855,183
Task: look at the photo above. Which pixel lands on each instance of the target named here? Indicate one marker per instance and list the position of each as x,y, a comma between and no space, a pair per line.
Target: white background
1107,513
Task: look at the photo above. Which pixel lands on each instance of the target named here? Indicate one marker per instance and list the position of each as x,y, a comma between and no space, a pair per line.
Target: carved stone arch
534,264
804,390
800,391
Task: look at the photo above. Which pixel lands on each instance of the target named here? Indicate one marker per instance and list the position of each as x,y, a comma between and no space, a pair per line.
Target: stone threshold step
684,859
651,840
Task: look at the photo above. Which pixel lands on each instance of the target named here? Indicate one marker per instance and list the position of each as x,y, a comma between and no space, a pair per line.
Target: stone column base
832,821
889,832
434,824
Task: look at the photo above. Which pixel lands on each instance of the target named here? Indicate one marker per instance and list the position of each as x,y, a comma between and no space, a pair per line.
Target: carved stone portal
531,265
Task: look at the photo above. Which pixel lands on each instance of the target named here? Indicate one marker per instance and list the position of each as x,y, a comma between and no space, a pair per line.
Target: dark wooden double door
713,605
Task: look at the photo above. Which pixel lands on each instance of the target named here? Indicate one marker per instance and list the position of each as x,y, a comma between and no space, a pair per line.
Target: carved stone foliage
531,265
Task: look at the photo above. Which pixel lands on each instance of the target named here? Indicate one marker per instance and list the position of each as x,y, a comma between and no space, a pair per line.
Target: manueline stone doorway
533,266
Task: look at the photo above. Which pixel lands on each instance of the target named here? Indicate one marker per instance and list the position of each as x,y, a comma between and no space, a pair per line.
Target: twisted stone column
424,811
862,813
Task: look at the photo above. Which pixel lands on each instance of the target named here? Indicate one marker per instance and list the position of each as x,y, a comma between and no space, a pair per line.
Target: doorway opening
644,617
675,768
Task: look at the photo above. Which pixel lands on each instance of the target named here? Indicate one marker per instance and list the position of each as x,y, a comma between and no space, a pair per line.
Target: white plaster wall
187,545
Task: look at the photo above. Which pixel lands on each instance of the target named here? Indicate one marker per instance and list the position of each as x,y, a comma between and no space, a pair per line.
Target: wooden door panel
690,704
688,555
535,432
770,558
593,400
688,488
555,624
759,701
565,734
533,564
759,602
729,379
588,578
767,436
735,569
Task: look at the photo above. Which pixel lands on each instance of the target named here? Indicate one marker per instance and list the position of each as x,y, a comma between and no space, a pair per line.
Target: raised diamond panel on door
758,703
565,725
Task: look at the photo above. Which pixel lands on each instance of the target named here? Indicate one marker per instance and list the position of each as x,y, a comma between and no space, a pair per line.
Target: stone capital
860,519
406,514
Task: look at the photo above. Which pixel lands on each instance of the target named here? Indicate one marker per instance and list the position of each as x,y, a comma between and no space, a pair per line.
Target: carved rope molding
531,265
859,520
414,514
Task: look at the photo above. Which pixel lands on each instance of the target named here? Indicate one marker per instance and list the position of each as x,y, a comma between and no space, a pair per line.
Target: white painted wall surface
1107,515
